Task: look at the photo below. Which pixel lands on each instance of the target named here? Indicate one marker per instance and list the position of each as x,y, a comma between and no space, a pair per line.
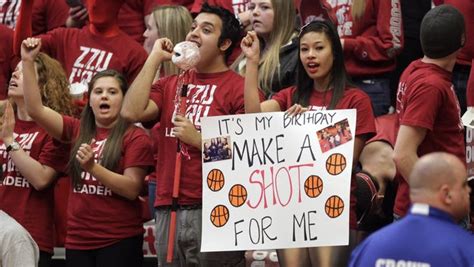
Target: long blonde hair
358,9
173,22
283,29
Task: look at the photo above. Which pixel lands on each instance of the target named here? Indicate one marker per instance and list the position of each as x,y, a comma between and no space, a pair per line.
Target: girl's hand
30,47
163,47
296,109
251,47
7,123
85,156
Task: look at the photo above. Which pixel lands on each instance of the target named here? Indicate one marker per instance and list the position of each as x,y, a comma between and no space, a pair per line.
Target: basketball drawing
335,164
215,180
334,206
313,186
219,215
237,195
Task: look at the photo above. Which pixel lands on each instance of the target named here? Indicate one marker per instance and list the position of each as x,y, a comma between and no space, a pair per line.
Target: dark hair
113,146
339,78
230,26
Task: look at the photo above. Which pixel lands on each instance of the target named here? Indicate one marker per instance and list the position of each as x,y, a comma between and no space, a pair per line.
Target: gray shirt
17,247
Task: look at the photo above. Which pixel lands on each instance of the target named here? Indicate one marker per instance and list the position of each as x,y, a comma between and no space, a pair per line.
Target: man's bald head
435,169
439,179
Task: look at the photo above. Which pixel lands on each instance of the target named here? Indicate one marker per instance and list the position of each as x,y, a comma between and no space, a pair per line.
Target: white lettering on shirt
395,27
25,140
200,98
91,61
15,181
9,11
91,189
400,263
240,6
343,16
92,186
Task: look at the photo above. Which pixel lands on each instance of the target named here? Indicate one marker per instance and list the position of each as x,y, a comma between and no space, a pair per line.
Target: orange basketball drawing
219,215
215,180
335,164
313,186
334,206
237,195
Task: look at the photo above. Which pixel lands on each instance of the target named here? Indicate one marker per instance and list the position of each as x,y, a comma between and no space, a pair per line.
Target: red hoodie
46,14
371,42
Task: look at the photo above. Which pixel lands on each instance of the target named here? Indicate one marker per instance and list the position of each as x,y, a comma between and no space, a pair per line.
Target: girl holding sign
322,83
108,163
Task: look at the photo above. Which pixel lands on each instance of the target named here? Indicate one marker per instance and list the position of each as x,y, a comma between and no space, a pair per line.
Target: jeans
460,77
378,90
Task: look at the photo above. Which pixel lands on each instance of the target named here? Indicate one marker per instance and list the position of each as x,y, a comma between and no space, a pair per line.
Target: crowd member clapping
108,162
31,158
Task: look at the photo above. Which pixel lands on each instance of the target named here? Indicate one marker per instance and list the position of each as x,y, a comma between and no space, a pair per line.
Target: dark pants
45,259
378,90
125,253
460,77
151,197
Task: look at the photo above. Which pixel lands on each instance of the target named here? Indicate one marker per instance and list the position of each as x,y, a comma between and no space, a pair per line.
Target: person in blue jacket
429,235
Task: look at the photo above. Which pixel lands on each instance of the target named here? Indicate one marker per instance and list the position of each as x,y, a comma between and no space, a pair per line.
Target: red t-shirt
7,59
426,99
97,217
83,54
387,129
208,95
131,18
47,14
353,98
371,42
31,208
466,7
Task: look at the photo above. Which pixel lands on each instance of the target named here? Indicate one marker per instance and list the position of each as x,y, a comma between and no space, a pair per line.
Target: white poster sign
271,180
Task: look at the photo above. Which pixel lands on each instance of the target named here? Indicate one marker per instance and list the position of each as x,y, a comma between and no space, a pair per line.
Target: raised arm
251,48
47,118
38,175
137,105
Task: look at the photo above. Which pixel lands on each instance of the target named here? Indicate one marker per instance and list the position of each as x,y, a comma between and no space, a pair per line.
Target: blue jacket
426,237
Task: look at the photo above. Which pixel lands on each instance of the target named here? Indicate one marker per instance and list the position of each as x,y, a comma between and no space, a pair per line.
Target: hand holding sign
282,184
